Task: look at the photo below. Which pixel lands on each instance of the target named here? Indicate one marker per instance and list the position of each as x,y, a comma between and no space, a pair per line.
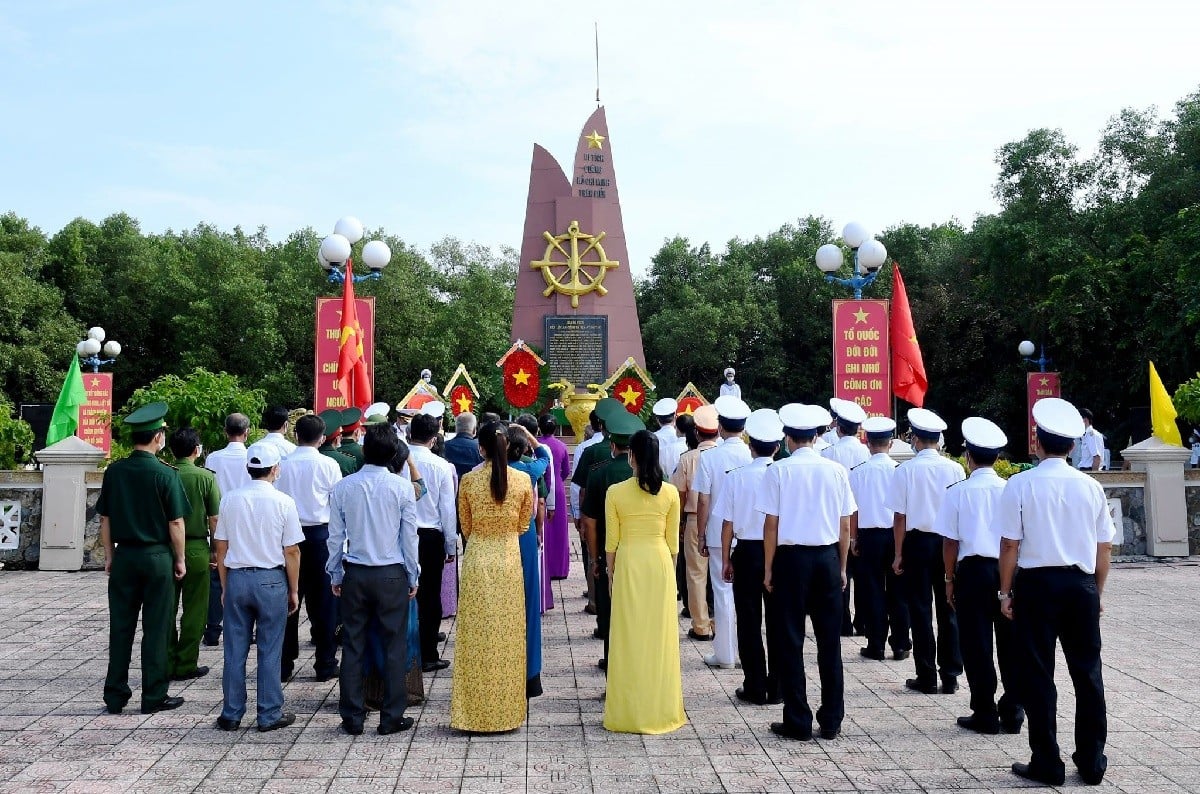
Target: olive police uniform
140,496
333,425
204,495
350,422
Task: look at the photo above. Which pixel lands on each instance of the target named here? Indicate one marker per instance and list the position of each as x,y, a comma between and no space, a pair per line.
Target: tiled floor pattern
54,735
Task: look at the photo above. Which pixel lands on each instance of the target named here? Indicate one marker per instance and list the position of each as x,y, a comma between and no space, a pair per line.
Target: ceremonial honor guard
668,440
918,487
711,473
744,566
806,540
873,547
142,507
1057,539
334,419
971,547
847,450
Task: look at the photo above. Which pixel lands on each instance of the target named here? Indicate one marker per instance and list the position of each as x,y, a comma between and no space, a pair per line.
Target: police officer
142,507
918,487
334,420
743,564
873,547
806,540
971,549
1057,539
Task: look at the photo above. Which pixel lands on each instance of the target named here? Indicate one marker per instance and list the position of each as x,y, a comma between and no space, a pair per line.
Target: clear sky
726,119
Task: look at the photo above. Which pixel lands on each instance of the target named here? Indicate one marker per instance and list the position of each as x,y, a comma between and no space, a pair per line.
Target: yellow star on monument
861,315
688,411
464,403
630,395
595,140
1045,381
521,377
95,381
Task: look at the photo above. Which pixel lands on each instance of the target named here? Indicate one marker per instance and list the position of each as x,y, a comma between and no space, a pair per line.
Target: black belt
749,540
805,547
889,529
1067,568
349,564
980,558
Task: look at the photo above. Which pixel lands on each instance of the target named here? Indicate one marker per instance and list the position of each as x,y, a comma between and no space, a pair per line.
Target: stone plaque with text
576,348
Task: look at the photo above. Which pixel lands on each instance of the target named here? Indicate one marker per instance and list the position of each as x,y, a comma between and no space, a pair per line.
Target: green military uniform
333,426
140,496
350,420
200,485
597,453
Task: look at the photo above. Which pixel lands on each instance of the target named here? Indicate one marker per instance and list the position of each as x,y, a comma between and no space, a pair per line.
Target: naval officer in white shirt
669,448
1057,541
918,487
711,471
971,553
847,450
806,539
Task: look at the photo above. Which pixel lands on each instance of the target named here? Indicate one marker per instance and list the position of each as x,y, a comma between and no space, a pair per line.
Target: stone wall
24,487
1130,488
1192,490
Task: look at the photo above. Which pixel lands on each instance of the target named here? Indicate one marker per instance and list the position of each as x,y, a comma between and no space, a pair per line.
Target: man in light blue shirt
373,569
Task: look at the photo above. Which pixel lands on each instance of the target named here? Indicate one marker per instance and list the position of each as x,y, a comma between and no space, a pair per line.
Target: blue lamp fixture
338,247
89,349
869,256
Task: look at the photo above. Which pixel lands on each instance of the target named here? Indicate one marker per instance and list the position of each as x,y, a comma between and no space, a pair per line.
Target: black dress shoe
228,725
785,732
114,709
757,700
403,725
980,724
900,656
686,613
441,636
166,704
212,642
920,686
433,667
870,654
285,674
1010,726
701,637
199,672
847,631
351,728
287,719
589,609
328,675
603,665
1090,775
949,686
597,634
1028,772
829,734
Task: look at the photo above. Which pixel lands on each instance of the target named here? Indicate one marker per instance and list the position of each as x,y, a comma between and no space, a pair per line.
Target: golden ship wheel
574,264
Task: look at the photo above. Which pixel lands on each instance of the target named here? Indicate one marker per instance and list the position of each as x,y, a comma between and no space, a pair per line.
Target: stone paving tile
54,735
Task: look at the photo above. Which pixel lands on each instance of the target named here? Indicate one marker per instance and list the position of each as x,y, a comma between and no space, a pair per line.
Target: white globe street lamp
869,256
338,248
89,349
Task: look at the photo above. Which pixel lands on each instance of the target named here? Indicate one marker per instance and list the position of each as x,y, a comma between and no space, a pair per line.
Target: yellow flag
1162,411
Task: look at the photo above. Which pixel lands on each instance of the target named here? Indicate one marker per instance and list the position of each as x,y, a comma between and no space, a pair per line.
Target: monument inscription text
576,348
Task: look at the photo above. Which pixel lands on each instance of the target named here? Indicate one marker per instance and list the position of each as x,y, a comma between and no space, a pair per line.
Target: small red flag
353,380
908,369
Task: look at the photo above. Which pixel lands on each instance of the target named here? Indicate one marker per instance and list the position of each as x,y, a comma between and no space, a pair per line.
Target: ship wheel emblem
574,264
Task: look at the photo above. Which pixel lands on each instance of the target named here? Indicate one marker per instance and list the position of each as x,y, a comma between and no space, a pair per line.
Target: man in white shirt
743,565
668,440
847,450
373,514
1091,445
1057,539
258,558
729,388
275,422
309,477
229,466
971,551
918,487
437,534
710,479
806,540
873,543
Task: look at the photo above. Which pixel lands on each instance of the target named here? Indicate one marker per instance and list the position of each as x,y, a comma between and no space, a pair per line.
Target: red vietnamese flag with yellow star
461,400
353,380
909,382
632,394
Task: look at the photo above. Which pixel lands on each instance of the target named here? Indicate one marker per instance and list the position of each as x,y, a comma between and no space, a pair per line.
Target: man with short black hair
229,466
1091,445
437,534
204,496
275,422
373,512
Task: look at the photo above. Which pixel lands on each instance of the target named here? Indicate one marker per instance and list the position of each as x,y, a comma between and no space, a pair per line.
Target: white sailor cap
797,416
925,422
1058,417
764,425
835,404
983,433
849,411
730,407
880,426
729,371
665,407
377,408
402,411
434,408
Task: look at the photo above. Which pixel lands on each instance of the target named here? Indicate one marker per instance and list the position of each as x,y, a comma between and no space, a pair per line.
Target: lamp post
1038,385
1026,349
337,248
89,349
869,256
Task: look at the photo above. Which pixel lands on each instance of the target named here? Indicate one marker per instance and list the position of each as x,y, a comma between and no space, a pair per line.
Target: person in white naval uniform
729,388
1055,553
873,547
711,474
971,552
918,487
669,448
744,566
850,452
806,539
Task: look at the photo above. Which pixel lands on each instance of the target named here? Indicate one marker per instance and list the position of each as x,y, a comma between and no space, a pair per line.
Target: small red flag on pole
353,380
908,369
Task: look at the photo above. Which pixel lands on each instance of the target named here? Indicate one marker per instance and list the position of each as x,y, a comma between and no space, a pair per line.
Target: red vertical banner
95,415
326,392
861,356
1040,385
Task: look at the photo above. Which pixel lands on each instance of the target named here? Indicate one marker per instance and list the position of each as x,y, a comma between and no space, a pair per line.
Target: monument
574,296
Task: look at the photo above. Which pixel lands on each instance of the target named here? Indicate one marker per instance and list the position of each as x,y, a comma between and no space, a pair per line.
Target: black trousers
603,597
977,580
883,602
379,592
431,552
751,601
318,601
1060,604
925,589
807,583
216,612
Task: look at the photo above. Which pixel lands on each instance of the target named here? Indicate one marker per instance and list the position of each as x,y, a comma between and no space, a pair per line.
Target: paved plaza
54,735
